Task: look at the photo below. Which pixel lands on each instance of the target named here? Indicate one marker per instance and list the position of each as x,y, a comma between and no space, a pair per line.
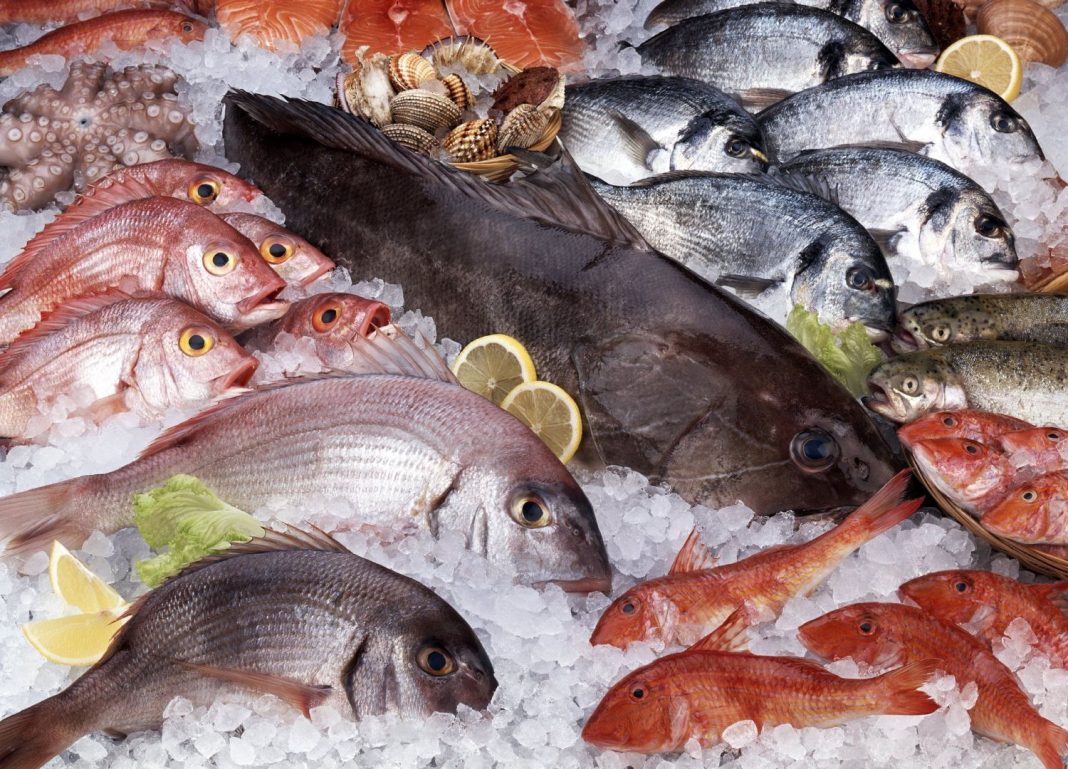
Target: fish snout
905,341
376,315
266,297
242,374
918,58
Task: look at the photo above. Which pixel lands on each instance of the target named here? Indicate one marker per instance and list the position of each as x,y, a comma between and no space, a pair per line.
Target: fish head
863,631
213,187
1048,441
1028,512
184,28
970,472
936,324
981,426
980,127
953,596
296,260
335,316
642,613
640,713
720,140
854,54
967,228
901,26
907,387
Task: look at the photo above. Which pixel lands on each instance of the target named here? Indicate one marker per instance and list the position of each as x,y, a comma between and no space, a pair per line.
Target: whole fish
762,53
409,452
70,11
897,23
1045,447
628,128
988,603
764,240
146,354
696,596
334,637
156,244
1020,379
1034,512
296,260
126,29
918,208
698,693
881,634
979,426
1008,317
973,475
674,378
942,116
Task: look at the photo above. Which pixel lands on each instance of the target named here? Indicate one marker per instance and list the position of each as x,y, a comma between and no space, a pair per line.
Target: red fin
731,636
178,433
1053,746
694,556
31,519
885,509
901,688
1054,592
113,190
32,737
302,696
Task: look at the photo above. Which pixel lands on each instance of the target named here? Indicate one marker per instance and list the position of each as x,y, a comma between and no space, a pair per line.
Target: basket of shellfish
457,102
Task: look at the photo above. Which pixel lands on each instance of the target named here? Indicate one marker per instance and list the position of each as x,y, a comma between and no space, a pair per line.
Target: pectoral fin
637,143
746,285
756,99
300,695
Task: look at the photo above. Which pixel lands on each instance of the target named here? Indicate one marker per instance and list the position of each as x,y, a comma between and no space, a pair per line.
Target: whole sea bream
975,317
776,246
628,128
334,637
674,378
764,52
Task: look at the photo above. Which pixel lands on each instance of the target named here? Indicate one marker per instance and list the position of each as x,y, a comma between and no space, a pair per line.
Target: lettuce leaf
849,356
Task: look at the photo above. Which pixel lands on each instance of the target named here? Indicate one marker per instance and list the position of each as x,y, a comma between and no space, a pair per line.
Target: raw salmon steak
393,26
273,21
526,34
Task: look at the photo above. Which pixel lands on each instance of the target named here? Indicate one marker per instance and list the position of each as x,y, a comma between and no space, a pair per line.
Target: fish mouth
601,584
378,315
320,272
918,58
904,341
1001,263
267,298
242,375
878,401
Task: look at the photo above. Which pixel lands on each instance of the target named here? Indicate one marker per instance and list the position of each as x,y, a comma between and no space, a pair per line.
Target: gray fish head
936,324
967,228
978,126
901,27
720,140
856,53
906,388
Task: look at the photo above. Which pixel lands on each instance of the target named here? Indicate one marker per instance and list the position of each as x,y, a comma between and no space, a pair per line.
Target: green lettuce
849,356
186,518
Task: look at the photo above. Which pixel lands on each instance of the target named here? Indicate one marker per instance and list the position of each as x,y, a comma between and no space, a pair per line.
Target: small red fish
1035,512
697,596
126,29
990,602
974,475
70,11
979,426
1037,447
879,634
296,260
698,693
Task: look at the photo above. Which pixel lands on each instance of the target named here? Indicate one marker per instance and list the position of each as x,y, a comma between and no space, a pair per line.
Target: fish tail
884,510
898,691
1051,749
30,520
32,737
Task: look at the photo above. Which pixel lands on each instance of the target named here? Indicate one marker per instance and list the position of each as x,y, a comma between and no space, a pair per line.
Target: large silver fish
409,452
628,128
897,23
944,117
760,237
764,52
294,615
918,208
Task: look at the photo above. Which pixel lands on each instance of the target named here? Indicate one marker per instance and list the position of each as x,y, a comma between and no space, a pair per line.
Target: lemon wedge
551,413
77,586
986,60
493,366
78,640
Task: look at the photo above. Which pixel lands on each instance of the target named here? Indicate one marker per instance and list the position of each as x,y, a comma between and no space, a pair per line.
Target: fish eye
949,421
195,341
276,250
187,27
531,512
940,333
989,227
865,628
204,191
910,385
1053,436
326,316
971,448
897,13
737,148
630,606
961,586
436,661
219,261
639,692
1029,496
814,449
860,278
1004,123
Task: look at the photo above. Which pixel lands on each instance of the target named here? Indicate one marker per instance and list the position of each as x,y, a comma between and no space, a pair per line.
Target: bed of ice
550,677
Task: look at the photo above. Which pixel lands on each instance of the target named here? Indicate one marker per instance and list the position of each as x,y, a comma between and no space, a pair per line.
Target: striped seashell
472,54
458,91
523,127
410,70
472,141
429,111
411,137
1034,32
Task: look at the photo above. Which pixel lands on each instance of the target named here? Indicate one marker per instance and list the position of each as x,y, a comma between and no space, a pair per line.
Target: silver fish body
760,236
984,317
629,128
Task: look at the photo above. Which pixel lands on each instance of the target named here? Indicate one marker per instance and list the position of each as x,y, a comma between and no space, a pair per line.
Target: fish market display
334,637
898,24
145,354
1007,317
55,140
154,244
673,377
625,129
775,246
296,260
880,634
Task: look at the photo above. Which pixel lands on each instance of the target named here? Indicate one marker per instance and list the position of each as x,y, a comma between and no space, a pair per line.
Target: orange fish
698,693
880,634
392,26
1035,512
70,11
1037,447
697,596
526,34
126,29
990,602
979,426
273,21
974,475
296,260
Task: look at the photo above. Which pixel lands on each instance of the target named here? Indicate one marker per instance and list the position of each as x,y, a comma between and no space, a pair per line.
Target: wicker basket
1035,560
1055,284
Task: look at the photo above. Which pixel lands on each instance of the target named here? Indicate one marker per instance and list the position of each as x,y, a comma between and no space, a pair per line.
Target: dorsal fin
731,636
176,434
556,194
693,556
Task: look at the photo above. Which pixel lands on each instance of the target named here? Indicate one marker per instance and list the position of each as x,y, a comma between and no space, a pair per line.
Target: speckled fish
972,474
918,208
774,245
941,116
410,452
145,354
125,29
979,426
697,596
1025,380
987,603
291,256
1007,317
698,693
1034,512
156,244
880,634
897,23
334,638
764,52
628,128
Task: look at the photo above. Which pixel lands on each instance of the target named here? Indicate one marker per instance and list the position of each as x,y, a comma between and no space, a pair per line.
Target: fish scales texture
69,11
662,363
1005,317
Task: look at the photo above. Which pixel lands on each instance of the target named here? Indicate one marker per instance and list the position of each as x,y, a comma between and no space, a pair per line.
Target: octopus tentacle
23,137
36,183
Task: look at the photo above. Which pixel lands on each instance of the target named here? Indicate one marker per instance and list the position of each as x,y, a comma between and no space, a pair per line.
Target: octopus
101,120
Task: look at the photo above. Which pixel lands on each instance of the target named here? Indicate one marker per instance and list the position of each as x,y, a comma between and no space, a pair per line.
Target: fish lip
877,400
904,341
601,584
265,298
918,58
317,274
375,313
241,375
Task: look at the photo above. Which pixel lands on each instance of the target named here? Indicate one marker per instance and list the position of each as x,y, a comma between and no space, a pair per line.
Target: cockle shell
367,92
540,86
458,91
471,141
410,70
429,111
1034,32
523,126
412,137
468,52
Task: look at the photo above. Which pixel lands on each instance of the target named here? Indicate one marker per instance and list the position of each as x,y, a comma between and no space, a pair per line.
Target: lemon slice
493,366
77,586
986,60
78,640
551,413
